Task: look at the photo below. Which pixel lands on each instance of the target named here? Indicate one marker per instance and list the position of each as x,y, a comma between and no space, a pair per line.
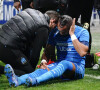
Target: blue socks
56,72
43,75
36,73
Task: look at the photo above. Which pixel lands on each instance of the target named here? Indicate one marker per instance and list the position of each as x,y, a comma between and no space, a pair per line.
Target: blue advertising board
8,11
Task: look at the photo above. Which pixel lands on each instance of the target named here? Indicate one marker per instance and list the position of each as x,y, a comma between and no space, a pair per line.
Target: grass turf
83,84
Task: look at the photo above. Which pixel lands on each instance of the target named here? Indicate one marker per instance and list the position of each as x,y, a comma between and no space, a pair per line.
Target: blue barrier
8,11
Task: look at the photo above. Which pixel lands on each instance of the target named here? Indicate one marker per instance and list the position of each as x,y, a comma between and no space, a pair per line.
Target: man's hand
43,65
80,48
17,5
72,28
52,23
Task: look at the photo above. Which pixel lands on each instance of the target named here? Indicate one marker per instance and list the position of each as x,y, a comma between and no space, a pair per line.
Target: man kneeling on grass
72,44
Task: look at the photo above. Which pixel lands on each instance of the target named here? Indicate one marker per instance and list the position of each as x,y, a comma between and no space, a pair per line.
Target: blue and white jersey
64,45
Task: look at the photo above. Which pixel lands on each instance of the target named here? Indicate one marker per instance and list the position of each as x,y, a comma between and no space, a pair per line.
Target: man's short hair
53,15
65,20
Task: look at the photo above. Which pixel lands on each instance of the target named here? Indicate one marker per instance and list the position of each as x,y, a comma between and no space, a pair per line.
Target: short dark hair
53,15
65,20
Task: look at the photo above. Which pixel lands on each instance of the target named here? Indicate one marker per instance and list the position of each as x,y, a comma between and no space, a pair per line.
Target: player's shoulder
79,29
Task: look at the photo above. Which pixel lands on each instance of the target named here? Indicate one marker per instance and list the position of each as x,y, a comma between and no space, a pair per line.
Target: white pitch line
92,76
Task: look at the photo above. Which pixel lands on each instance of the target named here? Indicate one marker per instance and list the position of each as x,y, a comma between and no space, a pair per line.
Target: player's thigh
52,66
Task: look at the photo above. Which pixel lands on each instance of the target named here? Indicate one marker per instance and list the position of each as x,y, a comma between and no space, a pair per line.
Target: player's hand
17,5
43,65
52,23
31,5
72,28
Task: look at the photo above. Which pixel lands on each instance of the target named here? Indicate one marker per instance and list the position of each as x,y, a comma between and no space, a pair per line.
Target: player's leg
16,81
12,78
54,73
32,76
76,71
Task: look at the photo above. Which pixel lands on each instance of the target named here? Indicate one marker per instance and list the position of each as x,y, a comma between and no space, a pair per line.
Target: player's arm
80,47
48,54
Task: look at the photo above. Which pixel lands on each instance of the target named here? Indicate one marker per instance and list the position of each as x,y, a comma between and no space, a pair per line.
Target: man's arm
49,53
80,48
39,40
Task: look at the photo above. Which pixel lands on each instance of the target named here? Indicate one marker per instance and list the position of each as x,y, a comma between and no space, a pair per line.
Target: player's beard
64,32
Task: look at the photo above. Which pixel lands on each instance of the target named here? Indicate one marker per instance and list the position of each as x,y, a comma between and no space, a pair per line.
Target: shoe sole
9,73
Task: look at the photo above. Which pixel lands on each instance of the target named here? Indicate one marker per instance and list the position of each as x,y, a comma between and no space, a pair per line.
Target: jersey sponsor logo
65,49
64,44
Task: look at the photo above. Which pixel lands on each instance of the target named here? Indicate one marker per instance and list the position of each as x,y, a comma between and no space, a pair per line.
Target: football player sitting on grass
72,44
